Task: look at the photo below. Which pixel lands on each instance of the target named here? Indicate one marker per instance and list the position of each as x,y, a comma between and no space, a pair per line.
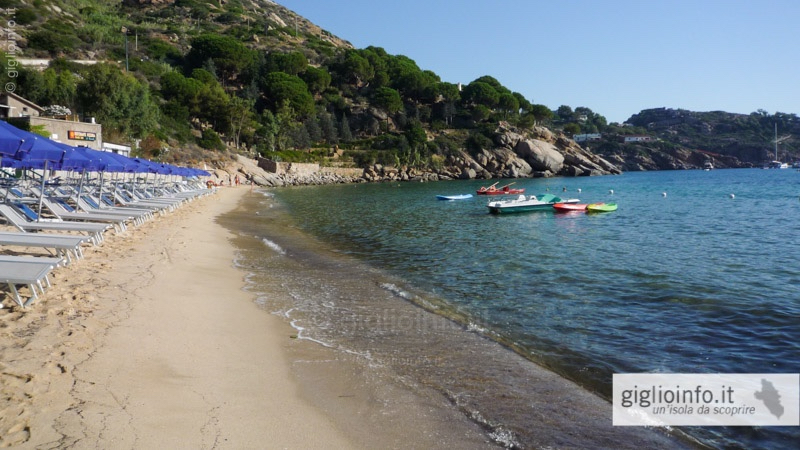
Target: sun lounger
88,204
95,230
126,200
25,273
54,261
62,213
64,245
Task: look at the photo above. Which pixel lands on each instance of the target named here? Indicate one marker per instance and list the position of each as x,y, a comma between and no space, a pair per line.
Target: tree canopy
280,87
117,100
230,56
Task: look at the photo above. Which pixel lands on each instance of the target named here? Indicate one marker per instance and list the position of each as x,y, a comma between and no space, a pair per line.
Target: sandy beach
150,342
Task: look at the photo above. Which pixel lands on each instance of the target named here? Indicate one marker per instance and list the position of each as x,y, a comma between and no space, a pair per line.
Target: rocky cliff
535,153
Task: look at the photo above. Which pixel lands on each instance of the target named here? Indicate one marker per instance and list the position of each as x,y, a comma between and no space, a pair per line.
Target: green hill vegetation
193,80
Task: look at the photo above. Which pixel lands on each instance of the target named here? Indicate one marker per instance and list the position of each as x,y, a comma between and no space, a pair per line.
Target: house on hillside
586,137
639,138
12,105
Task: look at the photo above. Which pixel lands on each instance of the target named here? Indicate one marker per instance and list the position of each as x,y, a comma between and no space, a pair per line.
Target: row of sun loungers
64,219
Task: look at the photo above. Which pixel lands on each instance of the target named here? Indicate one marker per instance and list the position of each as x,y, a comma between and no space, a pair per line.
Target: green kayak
601,207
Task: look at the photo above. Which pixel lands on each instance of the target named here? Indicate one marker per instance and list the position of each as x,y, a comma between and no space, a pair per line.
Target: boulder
468,174
541,155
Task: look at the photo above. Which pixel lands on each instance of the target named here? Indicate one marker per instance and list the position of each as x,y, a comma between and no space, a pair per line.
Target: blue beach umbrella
78,159
36,150
10,141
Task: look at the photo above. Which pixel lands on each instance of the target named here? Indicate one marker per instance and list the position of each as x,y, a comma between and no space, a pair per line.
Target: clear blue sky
616,57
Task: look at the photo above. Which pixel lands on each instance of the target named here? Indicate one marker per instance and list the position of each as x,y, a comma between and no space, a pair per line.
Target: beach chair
64,246
95,230
61,208
54,261
61,212
127,199
89,204
32,274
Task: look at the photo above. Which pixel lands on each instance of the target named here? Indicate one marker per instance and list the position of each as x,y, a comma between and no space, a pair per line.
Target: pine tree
344,131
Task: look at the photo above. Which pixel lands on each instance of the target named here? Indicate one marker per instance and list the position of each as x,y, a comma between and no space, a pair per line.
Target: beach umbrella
10,141
37,152
79,158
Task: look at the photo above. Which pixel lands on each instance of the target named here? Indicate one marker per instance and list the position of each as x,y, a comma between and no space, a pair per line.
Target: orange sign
81,135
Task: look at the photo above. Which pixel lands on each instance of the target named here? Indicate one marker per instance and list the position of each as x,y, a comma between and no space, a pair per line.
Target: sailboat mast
776,141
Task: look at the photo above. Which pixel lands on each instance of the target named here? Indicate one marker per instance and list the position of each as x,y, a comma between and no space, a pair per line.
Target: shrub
25,16
52,42
211,141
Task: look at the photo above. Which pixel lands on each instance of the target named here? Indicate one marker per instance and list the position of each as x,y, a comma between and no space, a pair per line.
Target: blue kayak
454,197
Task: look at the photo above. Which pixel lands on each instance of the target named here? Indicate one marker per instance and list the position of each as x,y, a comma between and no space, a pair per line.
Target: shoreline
150,341
414,362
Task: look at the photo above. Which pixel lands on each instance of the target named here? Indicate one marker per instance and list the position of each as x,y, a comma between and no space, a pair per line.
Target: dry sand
150,342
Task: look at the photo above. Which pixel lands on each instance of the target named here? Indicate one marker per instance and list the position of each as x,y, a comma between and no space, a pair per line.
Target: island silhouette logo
771,398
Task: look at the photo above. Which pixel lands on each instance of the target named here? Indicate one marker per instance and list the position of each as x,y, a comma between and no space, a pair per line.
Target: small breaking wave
265,193
396,290
405,295
275,247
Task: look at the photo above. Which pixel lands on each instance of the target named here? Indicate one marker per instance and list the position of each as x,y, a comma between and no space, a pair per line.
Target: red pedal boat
505,190
566,207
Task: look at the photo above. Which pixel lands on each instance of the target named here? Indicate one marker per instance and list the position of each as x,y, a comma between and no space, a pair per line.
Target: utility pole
125,31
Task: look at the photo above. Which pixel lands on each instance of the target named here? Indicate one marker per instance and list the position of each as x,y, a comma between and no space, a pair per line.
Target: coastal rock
468,174
542,156
542,134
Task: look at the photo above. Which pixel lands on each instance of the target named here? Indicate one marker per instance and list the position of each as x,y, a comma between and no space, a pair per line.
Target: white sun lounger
95,230
88,204
64,245
30,273
54,261
62,213
157,204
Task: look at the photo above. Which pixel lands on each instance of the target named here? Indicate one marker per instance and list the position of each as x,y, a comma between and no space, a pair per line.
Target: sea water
696,272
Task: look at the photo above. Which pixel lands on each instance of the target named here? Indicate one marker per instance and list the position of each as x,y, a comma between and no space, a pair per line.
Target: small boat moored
504,190
543,202
567,207
454,197
601,207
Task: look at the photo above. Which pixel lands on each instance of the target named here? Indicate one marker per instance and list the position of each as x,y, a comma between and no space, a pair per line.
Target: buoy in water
610,191
733,196
663,194
579,190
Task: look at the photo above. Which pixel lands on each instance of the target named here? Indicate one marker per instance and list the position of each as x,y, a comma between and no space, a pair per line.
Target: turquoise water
696,271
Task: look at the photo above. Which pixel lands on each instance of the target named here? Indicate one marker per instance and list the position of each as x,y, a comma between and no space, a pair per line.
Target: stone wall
305,169
342,171
286,168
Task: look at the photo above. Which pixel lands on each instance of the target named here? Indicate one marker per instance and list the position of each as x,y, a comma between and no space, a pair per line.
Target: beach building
628,139
124,150
587,137
65,128
12,105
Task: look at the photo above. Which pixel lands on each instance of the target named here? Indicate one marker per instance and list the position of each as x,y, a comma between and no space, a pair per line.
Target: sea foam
275,247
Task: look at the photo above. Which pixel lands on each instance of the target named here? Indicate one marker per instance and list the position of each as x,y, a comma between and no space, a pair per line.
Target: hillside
192,80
